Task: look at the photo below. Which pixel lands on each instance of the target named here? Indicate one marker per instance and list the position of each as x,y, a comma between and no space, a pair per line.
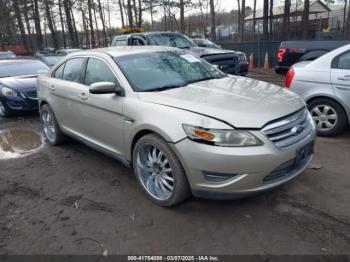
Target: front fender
161,119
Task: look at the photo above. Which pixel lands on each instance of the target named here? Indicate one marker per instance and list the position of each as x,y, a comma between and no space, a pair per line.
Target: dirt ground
74,200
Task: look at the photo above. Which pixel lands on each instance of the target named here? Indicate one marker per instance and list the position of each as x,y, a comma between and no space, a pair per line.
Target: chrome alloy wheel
325,117
2,109
48,126
154,172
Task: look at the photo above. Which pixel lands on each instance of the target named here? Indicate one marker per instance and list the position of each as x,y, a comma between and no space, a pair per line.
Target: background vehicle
63,52
18,85
48,59
182,124
325,86
291,52
228,61
7,55
202,42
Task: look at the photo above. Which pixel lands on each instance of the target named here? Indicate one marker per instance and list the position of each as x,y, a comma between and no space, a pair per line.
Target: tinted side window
120,42
59,72
137,41
72,70
344,61
98,71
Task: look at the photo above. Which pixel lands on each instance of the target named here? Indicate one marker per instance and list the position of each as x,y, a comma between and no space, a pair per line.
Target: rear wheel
329,116
50,126
159,171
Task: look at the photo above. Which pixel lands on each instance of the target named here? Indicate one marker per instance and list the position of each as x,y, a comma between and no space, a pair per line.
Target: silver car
184,126
325,86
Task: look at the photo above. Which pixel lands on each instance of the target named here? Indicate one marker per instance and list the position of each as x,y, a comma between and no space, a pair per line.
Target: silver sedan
325,86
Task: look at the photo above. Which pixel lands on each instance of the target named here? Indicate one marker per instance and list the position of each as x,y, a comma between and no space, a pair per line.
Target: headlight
218,137
8,92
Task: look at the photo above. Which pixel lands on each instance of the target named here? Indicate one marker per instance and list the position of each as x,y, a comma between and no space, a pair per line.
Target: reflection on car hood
20,83
241,102
200,51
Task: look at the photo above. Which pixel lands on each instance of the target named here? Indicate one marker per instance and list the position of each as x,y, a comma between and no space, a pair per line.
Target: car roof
124,50
147,33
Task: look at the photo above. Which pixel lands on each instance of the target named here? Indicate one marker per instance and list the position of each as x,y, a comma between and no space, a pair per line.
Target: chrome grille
291,130
32,95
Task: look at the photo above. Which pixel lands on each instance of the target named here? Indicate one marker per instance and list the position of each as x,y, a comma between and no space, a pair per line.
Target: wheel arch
42,102
141,133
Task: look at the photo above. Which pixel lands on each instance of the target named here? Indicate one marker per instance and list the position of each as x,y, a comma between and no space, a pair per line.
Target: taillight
280,54
289,78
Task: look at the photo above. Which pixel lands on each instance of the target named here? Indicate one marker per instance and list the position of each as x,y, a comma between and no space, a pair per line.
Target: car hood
20,83
202,51
240,102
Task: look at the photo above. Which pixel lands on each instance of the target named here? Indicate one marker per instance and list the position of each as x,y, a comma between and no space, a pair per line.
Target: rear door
340,75
66,93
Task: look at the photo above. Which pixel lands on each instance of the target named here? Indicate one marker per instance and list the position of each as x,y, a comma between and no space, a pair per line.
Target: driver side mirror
106,88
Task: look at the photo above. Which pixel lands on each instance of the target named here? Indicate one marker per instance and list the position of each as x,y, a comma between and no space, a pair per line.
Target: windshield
19,68
158,71
206,43
52,60
173,40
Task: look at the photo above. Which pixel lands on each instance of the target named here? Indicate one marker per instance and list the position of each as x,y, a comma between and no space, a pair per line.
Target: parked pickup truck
228,61
291,52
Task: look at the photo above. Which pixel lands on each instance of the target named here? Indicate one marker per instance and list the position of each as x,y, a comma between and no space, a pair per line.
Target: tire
4,111
335,116
56,137
149,172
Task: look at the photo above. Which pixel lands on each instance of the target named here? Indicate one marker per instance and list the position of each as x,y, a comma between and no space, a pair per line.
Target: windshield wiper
204,79
165,87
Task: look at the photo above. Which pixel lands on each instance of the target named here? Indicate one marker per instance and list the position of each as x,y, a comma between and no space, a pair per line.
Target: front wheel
159,171
328,115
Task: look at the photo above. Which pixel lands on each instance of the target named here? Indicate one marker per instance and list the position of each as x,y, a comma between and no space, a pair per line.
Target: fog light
217,177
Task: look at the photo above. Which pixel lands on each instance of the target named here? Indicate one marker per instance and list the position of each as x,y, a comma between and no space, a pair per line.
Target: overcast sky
222,5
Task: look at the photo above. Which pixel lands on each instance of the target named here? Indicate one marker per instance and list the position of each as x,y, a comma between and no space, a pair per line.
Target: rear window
72,70
120,42
344,61
20,68
59,72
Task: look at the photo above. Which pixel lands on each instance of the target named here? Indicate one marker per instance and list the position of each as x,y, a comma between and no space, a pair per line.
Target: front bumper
19,104
243,69
249,167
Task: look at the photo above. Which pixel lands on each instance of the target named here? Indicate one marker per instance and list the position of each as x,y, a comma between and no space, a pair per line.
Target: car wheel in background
329,116
159,171
4,112
50,126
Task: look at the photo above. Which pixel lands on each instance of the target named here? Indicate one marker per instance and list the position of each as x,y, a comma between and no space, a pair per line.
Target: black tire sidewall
181,186
342,119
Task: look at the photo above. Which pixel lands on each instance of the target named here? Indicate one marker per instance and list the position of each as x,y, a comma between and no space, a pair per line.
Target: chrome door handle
343,88
83,96
344,78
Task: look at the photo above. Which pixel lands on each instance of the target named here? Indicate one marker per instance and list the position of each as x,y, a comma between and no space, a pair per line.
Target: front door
102,114
340,75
